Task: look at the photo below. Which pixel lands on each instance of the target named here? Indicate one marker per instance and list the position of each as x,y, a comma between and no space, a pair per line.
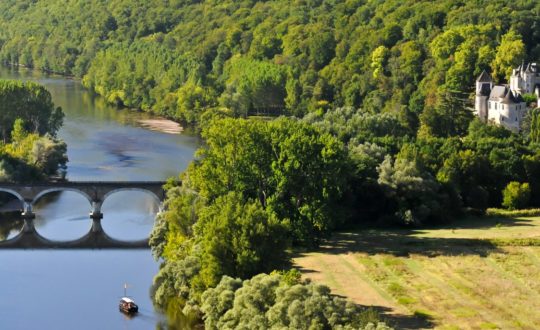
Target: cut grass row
478,274
499,291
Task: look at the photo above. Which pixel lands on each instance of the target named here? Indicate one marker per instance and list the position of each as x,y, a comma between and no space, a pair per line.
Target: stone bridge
95,192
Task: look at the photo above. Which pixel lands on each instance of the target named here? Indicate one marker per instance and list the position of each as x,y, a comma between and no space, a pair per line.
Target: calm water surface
57,289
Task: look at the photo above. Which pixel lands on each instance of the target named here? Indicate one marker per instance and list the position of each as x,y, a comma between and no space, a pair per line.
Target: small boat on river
128,306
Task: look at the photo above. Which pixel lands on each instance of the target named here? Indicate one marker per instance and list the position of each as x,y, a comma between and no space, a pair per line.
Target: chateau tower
525,78
484,84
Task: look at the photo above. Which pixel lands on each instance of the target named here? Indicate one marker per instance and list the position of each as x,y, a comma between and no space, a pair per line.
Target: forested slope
179,57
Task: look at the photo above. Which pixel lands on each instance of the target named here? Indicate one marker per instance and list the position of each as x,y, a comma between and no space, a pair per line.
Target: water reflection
11,225
11,222
129,215
62,216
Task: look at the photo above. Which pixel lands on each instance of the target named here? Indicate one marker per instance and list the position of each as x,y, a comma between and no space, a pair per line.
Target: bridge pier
96,216
28,216
96,222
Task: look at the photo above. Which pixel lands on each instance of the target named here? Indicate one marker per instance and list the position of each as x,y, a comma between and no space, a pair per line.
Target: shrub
268,301
516,195
493,212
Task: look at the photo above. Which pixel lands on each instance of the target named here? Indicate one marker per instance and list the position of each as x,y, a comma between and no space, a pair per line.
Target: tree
531,164
192,101
239,239
532,125
510,53
449,117
414,192
270,301
254,86
516,195
378,61
287,165
32,104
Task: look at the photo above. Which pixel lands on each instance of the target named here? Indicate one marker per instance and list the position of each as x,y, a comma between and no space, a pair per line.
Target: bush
516,195
270,302
493,212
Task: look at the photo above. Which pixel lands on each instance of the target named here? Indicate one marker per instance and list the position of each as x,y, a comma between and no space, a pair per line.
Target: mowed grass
478,273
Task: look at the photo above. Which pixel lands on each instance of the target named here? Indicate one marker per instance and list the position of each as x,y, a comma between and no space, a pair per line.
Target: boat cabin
128,306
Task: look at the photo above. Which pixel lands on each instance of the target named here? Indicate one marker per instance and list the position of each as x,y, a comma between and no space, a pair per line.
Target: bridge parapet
92,190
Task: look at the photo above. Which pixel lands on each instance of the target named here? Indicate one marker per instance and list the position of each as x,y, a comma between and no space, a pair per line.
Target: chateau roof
503,94
485,90
484,77
498,92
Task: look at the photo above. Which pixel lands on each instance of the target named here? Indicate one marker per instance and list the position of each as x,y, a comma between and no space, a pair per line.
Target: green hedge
493,212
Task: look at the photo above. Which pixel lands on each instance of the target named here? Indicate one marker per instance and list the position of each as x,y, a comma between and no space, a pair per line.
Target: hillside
178,58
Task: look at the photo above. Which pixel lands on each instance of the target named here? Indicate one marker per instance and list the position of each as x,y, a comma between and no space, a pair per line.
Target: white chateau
503,104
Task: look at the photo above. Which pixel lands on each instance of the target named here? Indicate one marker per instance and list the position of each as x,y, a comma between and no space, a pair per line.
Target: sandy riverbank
162,125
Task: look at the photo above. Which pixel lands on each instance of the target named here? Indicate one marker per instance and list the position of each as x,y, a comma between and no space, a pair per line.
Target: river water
60,289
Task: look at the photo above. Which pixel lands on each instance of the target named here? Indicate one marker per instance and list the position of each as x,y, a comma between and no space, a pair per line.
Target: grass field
476,274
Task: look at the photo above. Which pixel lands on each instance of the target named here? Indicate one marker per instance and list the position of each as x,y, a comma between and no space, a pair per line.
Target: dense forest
378,128
179,58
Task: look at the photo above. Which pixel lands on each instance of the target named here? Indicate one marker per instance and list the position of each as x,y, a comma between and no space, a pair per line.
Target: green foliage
379,60
256,186
415,192
30,157
449,117
271,56
355,126
238,239
516,195
275,163
28,123
254,87
532,125
268,301
510,53
503,213
530,98
27,106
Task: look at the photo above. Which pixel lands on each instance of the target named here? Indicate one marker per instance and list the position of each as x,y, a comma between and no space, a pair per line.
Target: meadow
478,273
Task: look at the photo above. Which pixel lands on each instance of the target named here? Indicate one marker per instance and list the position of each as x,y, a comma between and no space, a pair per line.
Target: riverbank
162,125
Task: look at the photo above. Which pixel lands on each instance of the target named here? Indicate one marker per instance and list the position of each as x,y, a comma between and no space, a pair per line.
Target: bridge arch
60,189
147,191
12,192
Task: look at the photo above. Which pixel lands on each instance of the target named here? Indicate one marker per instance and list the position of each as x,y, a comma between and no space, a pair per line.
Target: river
60,289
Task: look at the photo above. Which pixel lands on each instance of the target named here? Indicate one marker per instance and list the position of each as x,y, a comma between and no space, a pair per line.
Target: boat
128,306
